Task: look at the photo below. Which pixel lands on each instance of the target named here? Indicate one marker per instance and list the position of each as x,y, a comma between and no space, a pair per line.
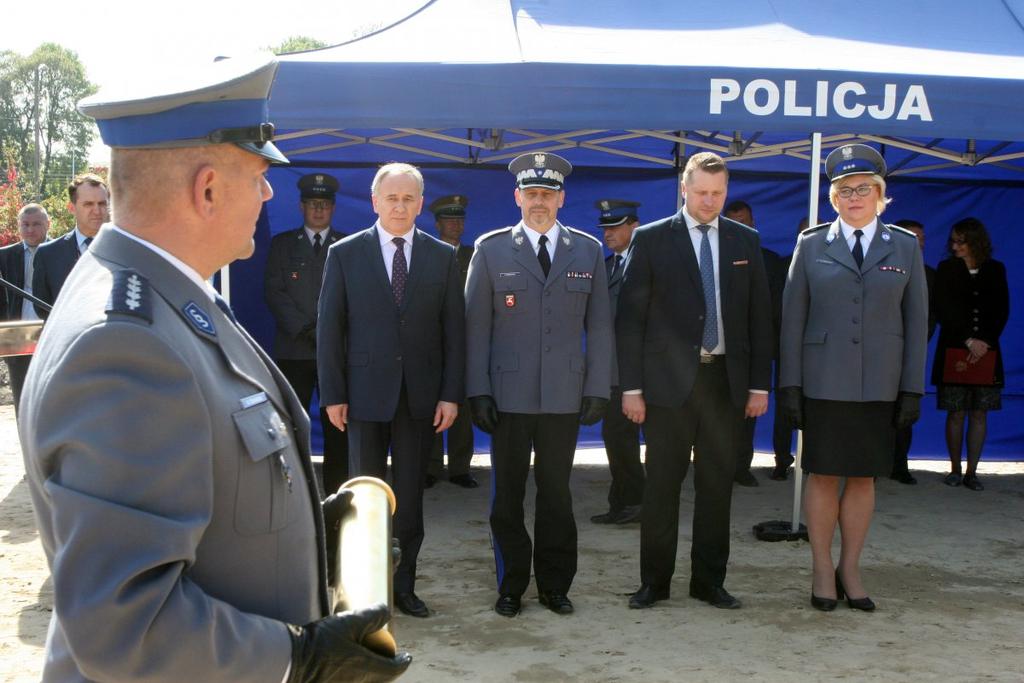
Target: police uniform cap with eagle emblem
318,186
615,212
852,160
450,206
540,169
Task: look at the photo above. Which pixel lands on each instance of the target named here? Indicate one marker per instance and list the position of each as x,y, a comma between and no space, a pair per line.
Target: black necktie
399,271
543,256
85,244
858,250
223,305
316,244
617,265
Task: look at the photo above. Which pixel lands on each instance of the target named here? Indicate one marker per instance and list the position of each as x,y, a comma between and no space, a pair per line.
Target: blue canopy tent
627,91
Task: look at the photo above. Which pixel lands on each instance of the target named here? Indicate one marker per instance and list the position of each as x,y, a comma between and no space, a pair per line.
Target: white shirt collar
187,270
385,237
692,222
534,236
869,231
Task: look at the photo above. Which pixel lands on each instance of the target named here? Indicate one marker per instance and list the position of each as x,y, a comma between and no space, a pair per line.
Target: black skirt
848,439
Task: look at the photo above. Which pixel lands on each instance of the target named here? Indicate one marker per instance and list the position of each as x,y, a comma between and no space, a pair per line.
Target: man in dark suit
295,269
450,220
390,352
16,268
89,201
904,435
694,350
618,220
538,364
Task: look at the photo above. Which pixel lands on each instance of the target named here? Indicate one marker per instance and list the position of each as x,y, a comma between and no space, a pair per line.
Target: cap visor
267,150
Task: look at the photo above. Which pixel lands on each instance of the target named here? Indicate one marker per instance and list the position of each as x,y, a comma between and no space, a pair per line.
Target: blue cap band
186,123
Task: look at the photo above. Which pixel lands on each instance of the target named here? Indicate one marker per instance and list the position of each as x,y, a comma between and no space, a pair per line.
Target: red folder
956,369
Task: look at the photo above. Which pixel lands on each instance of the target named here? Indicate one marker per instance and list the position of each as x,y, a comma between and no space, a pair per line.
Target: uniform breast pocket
263,470
509,292
578,290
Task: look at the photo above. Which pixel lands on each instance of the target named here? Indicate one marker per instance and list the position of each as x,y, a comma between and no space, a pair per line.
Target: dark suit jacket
660,320
367,346
52,263
292,287
12,269
970,307
464,254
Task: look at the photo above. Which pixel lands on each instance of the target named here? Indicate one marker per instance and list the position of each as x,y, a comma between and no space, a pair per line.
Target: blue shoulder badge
199,318
131,295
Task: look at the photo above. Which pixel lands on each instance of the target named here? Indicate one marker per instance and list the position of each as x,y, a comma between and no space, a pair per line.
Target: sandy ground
945,566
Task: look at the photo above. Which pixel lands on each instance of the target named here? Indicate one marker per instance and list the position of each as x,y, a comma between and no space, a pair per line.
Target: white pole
798,475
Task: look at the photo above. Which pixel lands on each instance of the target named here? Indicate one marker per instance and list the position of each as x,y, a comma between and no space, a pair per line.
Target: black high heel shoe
823,604
864,604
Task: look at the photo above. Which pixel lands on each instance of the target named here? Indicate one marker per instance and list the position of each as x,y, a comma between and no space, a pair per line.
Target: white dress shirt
851,239
695,237
388,248
534,237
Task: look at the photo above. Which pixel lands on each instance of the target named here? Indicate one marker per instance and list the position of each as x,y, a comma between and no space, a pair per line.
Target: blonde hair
709,162
877,180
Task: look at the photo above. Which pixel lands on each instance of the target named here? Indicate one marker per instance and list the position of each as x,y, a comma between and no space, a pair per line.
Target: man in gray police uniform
450,220
534,291
167,457
295,269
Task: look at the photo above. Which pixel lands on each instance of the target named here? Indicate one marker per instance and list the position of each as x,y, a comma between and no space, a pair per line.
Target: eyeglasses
957,240
861,190
318,204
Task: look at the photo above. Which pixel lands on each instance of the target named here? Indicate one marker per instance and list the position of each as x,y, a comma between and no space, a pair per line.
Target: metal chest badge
510,301
886,236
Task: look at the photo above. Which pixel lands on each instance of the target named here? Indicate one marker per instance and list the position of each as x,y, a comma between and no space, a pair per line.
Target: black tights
976,429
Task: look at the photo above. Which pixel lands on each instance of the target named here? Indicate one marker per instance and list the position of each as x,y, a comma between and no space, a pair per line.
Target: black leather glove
334,508
592,409
484,412
790,400
330,649
908,410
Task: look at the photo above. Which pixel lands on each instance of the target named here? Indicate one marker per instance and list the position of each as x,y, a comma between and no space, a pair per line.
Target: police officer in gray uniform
166,455
535,290
295,269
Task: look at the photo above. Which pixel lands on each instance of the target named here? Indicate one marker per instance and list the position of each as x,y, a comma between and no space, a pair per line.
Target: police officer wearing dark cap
450,220
295,269
536,291
618,219
166,455
853,345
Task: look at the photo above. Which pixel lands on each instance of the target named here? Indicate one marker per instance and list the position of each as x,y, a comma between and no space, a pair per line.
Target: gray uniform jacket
292,288
538,345
168,463
849,334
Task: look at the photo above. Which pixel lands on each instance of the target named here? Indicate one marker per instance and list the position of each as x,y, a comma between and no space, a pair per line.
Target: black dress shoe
971,482
745,478
605,517
508,605
824,604
466,481
716,597
629,514
904,478
429,482
557,602
864,604
409,604
779,473
647,596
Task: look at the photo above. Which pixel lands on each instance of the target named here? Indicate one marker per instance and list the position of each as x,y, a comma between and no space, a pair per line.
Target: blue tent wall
778,200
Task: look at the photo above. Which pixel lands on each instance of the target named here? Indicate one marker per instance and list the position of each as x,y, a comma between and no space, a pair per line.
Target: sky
121,41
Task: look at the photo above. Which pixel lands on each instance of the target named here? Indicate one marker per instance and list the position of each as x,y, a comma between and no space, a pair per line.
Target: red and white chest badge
295,275
510,301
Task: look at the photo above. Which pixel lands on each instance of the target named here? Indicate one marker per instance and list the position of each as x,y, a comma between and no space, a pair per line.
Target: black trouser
622,444
17,368
745,454
782,439
709,423
460,446
901,449
301,374
408,440
553,438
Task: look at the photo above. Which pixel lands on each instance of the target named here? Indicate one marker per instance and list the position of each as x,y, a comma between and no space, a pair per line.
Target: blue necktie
707,279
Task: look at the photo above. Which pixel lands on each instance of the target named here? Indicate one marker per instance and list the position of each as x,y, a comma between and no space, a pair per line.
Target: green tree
297,44
38,119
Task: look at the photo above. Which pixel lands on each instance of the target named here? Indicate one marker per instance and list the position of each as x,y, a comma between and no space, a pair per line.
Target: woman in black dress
853,347
972,302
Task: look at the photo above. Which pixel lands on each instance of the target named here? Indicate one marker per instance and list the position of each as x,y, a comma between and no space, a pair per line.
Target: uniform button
548,311
271,433
856,321
548,293
547,349
857,279
975,293
856,299
547,330
398,358
975,328
700,317
975,310
856,340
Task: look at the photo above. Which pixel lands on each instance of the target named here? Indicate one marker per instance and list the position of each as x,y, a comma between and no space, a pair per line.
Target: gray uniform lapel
837,248
565,242
524,254
881,246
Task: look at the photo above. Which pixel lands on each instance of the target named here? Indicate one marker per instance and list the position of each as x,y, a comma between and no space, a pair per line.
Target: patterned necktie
707,279
543,256
858,250
316,244
399,271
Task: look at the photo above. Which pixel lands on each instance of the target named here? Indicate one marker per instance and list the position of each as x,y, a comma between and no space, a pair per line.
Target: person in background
618,220
16,268
291,287
854,341
900,466
972,304
450,221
